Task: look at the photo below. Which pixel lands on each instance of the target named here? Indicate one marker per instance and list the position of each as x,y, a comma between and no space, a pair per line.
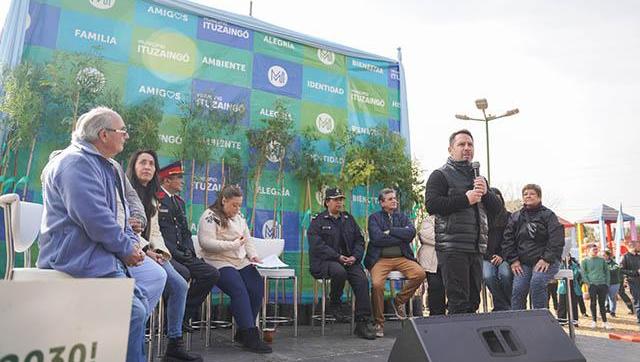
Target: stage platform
338,345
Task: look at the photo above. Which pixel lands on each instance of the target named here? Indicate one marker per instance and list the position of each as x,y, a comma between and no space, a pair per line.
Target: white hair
92,122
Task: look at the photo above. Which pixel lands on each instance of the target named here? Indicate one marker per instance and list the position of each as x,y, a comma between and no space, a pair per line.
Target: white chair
21,226
267,248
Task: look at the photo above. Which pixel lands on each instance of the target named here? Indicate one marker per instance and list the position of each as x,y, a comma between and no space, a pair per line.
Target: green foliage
271,139
23,103
306,164
380,159
76,81
201,123
143,124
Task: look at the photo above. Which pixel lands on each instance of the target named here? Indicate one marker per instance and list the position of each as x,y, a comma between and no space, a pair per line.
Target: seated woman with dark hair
533,243
226,244
142,172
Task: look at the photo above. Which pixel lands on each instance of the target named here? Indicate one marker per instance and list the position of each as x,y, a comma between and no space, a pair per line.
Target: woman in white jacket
142,172
226,244
429,261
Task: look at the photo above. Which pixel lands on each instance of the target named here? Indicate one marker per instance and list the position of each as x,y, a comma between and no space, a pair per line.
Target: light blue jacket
79,234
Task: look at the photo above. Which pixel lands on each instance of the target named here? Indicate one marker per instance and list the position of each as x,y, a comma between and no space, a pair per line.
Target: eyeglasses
122,130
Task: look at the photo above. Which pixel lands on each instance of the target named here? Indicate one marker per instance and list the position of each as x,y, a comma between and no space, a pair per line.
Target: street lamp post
482,105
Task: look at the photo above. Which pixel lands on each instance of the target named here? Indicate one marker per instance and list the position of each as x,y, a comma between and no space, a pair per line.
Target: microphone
476,168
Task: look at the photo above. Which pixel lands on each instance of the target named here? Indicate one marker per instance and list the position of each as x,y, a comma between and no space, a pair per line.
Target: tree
143,125
270,140
23,104
200,122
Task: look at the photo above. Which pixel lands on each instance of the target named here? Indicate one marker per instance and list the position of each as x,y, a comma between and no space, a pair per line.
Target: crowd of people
102,222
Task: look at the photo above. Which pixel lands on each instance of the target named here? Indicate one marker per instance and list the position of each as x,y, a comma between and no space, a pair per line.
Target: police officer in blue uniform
336,249
177,236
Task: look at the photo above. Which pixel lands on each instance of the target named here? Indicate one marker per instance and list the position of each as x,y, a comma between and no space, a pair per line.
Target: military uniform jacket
325,233
174,227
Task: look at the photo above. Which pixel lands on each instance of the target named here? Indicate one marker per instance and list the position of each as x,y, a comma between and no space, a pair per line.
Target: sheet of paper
271,261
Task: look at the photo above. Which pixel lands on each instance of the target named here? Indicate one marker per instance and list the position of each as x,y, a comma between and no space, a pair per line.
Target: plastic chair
22,225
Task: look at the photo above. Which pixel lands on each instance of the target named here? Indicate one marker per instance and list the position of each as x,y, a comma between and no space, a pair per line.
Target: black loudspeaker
521,336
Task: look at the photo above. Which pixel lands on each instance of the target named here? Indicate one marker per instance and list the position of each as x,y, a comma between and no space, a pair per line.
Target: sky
571,68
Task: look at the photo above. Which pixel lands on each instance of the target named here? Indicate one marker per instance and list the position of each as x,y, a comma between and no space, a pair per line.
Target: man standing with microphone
460,199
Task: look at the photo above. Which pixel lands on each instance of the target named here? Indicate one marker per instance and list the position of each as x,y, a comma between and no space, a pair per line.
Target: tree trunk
279,180
206,185
76,105
256,186
306,205
33,146
193,171
222,176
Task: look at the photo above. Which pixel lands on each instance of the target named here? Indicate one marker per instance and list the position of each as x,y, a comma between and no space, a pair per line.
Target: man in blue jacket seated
80,234
336,247
390,236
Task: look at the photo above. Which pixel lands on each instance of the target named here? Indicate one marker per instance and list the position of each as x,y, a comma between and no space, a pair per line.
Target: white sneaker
593,324
607,326
379,331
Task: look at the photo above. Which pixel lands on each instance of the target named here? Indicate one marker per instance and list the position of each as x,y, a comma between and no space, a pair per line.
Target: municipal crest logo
325,123
275,152
327,57
270,229
102,4
277,76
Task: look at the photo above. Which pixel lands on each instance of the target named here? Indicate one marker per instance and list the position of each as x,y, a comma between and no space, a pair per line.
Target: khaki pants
410,269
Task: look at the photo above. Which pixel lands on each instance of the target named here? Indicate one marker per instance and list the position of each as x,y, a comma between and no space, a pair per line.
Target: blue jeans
612,297
176,295
150,278
499,280
139,315
534,282
246,290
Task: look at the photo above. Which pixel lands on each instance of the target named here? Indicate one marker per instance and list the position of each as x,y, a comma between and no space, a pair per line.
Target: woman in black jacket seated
533,243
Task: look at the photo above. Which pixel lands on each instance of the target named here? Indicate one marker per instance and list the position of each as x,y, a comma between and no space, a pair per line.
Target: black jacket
174,227
324,241
458,226
497,224
630,264
531,235
401,233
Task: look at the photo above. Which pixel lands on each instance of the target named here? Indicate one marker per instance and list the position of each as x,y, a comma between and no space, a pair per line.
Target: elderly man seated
80,234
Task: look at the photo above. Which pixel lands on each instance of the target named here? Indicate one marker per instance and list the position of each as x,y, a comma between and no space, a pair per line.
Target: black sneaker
176,352
365,330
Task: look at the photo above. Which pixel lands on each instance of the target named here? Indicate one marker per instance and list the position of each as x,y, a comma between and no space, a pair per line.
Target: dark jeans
339,274
462,277
499,281
625,298
435,293
634,286
202,276
562,303
598,294
583,307
246,289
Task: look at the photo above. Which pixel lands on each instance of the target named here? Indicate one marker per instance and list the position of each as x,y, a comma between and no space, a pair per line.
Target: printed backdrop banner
152,50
